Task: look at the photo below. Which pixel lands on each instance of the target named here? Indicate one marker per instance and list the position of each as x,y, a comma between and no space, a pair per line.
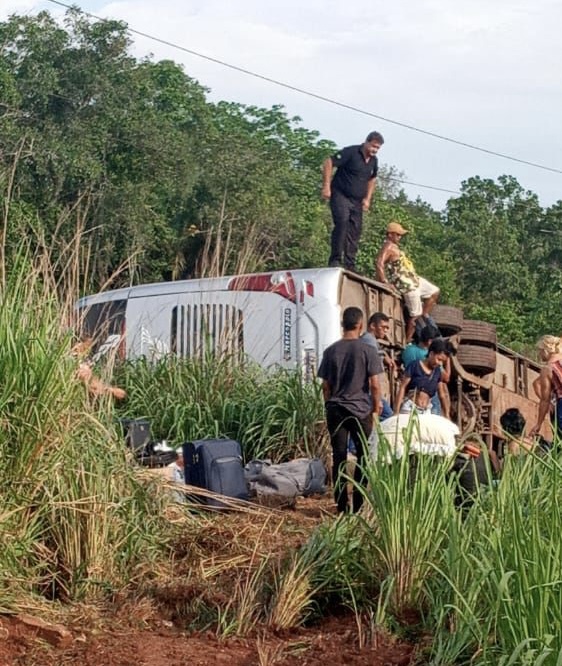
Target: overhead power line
314,95
427,187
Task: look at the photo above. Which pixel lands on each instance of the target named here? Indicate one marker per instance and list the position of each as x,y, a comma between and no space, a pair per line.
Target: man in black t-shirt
349,193
352,397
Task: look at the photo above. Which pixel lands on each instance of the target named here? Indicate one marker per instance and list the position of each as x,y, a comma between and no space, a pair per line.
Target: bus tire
448,318
477,360
479,333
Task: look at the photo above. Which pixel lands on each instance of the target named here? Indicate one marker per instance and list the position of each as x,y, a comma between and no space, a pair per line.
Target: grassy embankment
480,586
78,523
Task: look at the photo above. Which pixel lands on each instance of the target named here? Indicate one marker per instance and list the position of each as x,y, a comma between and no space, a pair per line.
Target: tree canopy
131,160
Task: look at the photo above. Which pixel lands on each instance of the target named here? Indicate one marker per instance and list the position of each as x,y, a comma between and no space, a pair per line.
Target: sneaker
162,447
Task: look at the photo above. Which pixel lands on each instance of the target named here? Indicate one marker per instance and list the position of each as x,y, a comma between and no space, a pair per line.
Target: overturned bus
287,318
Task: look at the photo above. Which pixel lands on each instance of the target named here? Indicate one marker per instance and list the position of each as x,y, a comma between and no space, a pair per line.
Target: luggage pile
147,452
216,467
281,484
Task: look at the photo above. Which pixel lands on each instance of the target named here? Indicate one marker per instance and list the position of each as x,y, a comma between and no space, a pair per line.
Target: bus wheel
449,319
479,332
477,360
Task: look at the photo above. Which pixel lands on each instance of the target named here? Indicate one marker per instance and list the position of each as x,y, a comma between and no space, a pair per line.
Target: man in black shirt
349,193
352,396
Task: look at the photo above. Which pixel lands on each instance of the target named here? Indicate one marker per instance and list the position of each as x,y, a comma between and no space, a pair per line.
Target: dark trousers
347,215
341,425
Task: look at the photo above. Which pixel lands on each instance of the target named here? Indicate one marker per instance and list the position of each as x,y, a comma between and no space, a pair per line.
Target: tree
267,187
110,141
489,228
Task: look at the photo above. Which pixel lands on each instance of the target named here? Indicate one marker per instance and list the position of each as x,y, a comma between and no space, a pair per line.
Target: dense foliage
272,414
129,157
76,522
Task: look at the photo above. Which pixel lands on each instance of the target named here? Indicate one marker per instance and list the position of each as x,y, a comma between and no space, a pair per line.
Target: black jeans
347,215
341,424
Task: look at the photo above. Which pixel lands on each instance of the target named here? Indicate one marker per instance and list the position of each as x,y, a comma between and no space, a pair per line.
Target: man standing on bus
350,192
352,396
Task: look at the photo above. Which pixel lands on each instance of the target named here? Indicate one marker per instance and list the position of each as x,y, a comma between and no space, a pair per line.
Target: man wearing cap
350,192
394,268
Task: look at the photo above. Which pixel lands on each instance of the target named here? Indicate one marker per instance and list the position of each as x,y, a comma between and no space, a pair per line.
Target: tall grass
485,582
504,588
408,517
75,521
272,414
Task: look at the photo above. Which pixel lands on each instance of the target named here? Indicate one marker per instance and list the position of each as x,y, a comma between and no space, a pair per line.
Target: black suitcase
215,465
137,435
139,439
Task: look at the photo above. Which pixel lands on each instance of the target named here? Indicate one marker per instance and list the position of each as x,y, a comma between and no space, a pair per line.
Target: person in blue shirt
416,352
423,379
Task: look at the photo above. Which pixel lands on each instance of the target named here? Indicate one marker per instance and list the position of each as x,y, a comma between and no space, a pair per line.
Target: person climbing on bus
423,379
549,385
395,268
417,351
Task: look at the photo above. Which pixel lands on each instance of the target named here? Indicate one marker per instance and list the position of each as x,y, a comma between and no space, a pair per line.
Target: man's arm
446,371
389,361
543,389
376,394
537,387
444,399
95,385
327,170
382,259
401,393
370,190
326,390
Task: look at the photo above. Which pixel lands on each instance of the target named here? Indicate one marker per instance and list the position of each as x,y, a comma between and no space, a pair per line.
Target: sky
480,72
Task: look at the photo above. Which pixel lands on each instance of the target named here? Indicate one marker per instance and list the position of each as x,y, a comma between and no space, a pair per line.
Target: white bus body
282,318
287,319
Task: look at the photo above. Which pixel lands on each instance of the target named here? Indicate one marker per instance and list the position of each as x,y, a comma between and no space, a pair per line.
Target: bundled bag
303,476
427,434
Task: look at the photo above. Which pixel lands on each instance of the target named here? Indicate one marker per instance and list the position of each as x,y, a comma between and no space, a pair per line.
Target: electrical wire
429,187
317,96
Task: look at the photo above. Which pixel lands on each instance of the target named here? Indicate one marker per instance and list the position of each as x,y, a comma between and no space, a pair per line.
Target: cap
396,228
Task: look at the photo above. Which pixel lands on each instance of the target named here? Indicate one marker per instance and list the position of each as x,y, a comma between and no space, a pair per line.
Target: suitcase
139,439
137,435
215,465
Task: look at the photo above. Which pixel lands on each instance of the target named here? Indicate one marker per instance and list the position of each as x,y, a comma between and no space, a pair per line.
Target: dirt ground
140,634
334,639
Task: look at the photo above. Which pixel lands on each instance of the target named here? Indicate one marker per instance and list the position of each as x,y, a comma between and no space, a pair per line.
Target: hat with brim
396,228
